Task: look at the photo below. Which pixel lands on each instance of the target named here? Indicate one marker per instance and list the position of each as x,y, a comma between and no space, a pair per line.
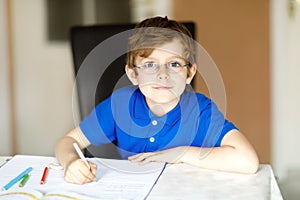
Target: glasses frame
157,67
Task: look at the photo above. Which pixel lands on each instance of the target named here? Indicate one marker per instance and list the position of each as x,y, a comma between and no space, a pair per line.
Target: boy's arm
235,154
76,170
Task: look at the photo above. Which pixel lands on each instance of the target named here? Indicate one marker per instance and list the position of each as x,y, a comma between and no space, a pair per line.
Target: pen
81,155
44,176
16,179
24,180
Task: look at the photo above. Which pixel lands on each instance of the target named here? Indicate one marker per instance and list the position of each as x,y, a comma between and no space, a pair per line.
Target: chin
163,100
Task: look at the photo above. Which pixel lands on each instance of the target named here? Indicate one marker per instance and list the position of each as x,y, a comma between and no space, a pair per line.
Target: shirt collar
142,112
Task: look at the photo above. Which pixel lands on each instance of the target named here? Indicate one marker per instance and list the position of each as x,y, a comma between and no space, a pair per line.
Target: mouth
162,87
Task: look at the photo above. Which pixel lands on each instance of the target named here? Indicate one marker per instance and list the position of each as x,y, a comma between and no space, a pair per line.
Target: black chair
91,88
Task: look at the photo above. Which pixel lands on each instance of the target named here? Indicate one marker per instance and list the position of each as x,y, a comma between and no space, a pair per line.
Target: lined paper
116,179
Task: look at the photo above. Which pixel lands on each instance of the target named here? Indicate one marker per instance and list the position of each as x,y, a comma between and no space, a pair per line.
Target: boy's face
163,87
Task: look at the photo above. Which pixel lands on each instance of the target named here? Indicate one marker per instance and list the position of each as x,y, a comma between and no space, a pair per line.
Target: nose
163,72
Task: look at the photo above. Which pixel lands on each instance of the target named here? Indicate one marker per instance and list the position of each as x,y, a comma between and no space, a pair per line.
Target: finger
87,176
134,156
79,177
138,158
145,161
150,158
143,157
94,168
77,172
70,172
87,173
73,177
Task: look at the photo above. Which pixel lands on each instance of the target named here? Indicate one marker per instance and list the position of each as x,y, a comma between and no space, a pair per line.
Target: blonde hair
154,32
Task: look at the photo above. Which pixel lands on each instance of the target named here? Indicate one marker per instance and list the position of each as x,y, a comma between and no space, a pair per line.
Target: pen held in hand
80,154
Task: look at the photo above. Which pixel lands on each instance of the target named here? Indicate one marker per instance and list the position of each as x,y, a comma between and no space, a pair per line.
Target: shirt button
152,139
154,122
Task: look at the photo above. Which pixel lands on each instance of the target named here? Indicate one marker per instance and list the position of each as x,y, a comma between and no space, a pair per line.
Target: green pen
24,180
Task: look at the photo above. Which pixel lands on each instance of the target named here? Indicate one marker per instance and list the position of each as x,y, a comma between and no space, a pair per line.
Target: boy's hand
172,156
77,172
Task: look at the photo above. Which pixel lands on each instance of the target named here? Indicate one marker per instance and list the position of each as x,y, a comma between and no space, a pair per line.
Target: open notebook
116,179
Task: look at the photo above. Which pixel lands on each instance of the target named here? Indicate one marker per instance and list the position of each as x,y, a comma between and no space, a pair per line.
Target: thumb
93,167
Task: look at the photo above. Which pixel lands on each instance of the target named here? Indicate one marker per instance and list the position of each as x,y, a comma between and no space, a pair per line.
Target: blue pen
15,180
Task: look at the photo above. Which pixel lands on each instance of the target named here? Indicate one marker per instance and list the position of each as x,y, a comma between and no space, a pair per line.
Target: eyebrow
172,57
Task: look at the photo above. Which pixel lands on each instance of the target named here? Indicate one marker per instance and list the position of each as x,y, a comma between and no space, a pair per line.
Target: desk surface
190,182
182,181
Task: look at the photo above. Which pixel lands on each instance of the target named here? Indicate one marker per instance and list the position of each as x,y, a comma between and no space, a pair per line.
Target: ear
132,75
193,70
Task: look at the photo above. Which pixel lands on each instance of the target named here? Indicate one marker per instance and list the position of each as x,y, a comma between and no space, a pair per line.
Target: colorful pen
16,179
43,180
24,180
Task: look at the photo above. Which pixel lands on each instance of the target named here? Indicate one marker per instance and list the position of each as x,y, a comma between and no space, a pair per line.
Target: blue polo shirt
126,119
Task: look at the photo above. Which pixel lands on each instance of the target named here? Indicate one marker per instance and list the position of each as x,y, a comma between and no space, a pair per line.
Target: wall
285,88
142,9
236,35
5,148
43,81
43,76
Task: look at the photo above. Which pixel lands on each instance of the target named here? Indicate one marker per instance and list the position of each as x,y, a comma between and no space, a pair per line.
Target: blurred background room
255,45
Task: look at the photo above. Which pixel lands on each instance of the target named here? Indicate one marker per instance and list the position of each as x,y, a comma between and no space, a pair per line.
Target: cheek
181,79
145,80
177,80
181,86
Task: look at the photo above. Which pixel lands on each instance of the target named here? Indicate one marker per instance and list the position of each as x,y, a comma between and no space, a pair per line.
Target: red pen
44,176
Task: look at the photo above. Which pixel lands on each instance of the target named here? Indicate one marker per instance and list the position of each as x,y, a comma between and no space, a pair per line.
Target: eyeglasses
153,67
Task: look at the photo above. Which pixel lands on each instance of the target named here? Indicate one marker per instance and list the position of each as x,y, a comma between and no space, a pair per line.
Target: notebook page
115,178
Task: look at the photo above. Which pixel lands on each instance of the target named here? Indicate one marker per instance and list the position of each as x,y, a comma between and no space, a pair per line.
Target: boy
158,119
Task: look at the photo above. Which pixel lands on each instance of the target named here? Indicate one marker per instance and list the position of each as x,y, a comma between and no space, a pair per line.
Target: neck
161,109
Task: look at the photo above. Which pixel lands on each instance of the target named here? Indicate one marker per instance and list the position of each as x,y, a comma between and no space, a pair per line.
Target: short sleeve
212,124
98,126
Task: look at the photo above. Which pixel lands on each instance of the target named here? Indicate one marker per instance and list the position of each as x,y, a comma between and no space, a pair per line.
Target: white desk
182,181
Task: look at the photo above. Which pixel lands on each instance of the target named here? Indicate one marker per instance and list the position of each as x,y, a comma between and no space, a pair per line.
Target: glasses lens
150,67
174,66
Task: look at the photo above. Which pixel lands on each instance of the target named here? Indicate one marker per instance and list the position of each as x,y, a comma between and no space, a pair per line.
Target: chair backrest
83,40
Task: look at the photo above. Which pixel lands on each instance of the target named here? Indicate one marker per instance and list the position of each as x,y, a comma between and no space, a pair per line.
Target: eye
150,64
174,64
